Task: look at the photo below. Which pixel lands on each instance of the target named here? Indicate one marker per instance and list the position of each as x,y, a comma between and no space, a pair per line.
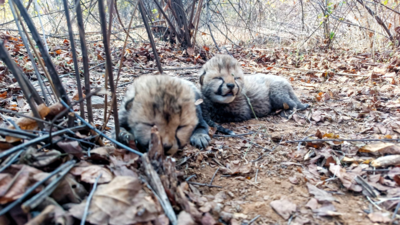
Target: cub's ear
202,77
128,104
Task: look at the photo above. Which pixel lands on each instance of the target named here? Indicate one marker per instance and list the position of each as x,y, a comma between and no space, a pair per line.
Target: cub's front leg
207,117
200,138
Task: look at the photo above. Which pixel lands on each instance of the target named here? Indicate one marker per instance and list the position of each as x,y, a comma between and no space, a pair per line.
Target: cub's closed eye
238,78
218,78
148,124
181,127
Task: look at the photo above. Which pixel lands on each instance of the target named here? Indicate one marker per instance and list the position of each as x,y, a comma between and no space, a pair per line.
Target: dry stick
192,12
212,179
38,198
170,24
37,140
74,56
108,64
6,58
46,73
378,20
395,211
158,188
26,44
85,59
62,113
108,34
30,117
209,28
323,140
100,133
254,219
34,187
178,68
321,71
10,160
120,21
201,184
17,133
255,179
89,199
234,135
149,33
60,91
353,24
197,18
120,63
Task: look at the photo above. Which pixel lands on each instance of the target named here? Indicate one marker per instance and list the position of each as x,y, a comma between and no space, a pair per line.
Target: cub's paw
200,140
126,138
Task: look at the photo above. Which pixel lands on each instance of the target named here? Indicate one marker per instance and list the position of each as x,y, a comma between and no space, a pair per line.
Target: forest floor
261,175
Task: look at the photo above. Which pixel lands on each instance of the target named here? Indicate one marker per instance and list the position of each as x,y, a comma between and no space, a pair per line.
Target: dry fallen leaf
379,217
236,167
348,179
28,124
89,173
320,195
284,208
15,180
380,148
119,202
385,161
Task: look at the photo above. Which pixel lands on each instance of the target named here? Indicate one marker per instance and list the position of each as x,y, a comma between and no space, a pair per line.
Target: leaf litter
307,183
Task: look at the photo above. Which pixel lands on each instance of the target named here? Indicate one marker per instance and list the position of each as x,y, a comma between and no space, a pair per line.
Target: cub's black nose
230,85
167,148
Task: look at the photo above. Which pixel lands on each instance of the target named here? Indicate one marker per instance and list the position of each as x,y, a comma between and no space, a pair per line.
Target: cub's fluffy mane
219,63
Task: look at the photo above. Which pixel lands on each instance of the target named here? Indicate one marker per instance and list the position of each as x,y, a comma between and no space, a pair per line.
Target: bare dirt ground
261,178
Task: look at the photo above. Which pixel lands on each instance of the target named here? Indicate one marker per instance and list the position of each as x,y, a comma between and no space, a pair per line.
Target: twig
89,199
255,179
17,133
323,140
30,117
10,161
41,24
321,71
395,211
201,184
60,91
28,92
74,57
150,35
158,188
85,59
376,170
190,177
177,68
254,219
234,135
101,133
109,64
38,198
373,203
34,187
37,140
212,179
114,97
209,28
26,44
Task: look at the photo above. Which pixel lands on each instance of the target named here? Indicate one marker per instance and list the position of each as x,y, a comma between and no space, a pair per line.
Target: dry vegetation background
335,163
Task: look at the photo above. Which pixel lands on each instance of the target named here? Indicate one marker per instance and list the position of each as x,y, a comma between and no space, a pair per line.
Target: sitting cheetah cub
229,96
